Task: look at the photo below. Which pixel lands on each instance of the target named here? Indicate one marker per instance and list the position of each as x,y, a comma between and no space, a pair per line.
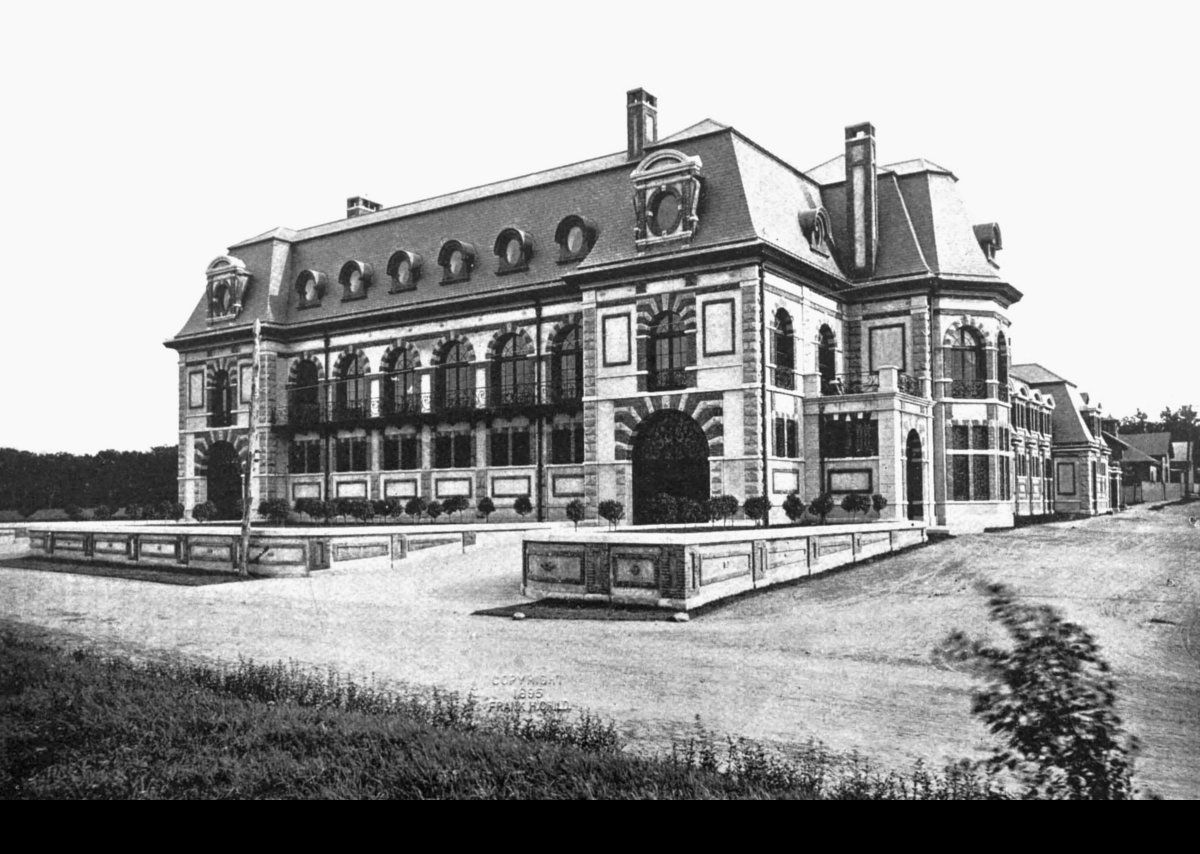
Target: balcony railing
667,379
785,378
850,384
909,384
968,389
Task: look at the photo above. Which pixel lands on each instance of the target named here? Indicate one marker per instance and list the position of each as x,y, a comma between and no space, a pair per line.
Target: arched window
304,395
1002,365
456,379
566,369
667,353
220,400
401,386
351,395
827,360
783,350
513,381
966,365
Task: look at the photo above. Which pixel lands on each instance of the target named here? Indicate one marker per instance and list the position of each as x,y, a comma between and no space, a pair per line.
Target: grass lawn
74,725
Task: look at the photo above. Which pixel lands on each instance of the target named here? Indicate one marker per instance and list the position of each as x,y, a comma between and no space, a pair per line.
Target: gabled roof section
701,128
1129,453
1034,374
1154,444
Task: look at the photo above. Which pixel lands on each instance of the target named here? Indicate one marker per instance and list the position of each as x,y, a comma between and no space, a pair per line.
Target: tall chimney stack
862,220
360,205
641,124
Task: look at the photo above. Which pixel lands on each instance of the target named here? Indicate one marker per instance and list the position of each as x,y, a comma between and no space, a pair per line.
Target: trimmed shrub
855,503
723,507
758,509
794,507
135,511
689,511
662,509
415,508
311,507
612,512
486,507
576,511
523,506
275,510
434,509
379,508
822,506
392,508
878,502
204,512
74,512
103,512
456,504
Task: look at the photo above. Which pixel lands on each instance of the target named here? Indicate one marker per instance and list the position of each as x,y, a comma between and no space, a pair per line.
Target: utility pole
252,455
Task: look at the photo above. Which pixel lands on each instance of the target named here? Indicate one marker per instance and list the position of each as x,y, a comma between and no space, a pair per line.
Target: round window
514,252
458,262
310,291
575,240
356,285
404,272
665,213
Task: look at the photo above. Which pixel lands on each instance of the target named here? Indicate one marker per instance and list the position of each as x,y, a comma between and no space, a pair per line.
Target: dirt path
844,658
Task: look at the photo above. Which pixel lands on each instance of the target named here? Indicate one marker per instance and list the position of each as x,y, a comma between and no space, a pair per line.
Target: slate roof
1129,453
1032,373
751,197
1154,444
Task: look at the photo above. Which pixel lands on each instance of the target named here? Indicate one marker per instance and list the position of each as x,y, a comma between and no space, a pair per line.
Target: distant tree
274,510
102,512
576,511
822,506
855,503
1051,698
758,509
878,502
135,511
794,507
612,512
74,512
434,509
415,508
523,506
485,508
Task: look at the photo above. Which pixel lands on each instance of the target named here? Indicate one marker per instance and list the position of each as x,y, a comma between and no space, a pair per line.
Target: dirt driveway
844,659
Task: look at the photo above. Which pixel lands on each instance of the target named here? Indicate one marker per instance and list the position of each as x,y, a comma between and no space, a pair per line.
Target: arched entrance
670,454
914,476
224,479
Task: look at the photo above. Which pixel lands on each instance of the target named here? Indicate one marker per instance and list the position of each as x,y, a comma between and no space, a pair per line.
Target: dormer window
404,268
514,248
666,198
354,279
988,235
456,260
666,212
575,237
814,225
227,284
310,288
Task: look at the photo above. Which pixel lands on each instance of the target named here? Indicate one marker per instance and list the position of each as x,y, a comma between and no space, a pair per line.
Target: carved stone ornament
227,285
666,198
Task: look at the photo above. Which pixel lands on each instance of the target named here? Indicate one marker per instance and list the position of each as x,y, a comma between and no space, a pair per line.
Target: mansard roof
749,198
1034,374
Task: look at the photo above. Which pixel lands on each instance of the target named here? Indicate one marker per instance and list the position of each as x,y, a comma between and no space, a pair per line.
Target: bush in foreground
612,512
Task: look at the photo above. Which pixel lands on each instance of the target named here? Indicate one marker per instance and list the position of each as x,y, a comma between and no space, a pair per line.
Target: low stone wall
681,571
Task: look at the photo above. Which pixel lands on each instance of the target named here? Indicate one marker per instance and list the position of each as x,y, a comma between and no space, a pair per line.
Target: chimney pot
360,205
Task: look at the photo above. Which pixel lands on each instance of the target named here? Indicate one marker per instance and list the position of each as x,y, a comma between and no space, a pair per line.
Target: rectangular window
510,446
498,447
520,447
401,452
305,457
979,438
980,471
452,450
787,437
960,473
857,437
351,454
1065,474
959,437
462,450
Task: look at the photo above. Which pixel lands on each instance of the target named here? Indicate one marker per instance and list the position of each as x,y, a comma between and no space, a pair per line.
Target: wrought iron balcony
785,378
968,389
849,384
668,379
909,384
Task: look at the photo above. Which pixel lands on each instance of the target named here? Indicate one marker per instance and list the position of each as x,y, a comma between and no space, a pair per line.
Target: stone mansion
690,315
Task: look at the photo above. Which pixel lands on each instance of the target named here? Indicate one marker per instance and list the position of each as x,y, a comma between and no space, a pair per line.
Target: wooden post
244,563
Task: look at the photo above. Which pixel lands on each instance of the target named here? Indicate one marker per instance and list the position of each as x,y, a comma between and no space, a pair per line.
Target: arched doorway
914,476
670,454
224,479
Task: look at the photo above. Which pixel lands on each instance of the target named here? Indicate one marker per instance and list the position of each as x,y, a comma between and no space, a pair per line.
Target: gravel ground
842,658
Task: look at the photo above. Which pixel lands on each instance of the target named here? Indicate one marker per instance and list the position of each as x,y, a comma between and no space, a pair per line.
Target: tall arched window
566,369
667,353
827,359
304,395
783,350
220,400
351,395
401,387
1002,365
513,380
456,380
966,365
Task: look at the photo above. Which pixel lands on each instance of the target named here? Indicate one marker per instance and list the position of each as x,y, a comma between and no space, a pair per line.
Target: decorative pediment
228,282
666,198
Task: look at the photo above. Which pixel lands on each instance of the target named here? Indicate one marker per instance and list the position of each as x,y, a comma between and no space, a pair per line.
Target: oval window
458,262
575,240
665,213
404,272
356,285
310,291
514,252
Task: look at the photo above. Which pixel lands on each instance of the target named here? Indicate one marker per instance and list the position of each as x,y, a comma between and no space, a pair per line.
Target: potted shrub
204,512
523,506
415,508
822,506
104,512
612,512
485,508
576,511
855,503
456,504
275,510
878,502
690,511
434,509
662,509
794,507
723,507
758,509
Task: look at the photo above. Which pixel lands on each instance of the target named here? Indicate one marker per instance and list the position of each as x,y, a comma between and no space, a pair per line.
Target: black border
732,326
1058,490
604,318
437,482
870,473
556,477
203,385
903,345
528,493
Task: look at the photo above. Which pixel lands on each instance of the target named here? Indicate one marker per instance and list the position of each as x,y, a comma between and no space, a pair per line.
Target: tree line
31,482
1183,423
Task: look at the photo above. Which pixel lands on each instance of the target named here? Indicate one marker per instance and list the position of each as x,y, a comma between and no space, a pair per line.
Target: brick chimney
359,205
862,220
641,121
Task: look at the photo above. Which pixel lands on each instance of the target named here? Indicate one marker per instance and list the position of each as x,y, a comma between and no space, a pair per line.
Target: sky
141,140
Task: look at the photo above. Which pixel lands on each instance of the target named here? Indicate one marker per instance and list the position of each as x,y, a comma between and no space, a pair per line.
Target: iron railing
968,389
850,384
667,379
785,378
908,384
